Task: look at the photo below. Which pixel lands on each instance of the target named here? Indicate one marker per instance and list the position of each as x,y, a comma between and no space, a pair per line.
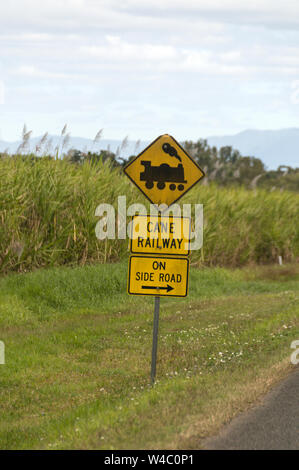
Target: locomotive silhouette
162,174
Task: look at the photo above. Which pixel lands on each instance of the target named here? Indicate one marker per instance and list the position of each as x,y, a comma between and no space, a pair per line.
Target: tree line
225,166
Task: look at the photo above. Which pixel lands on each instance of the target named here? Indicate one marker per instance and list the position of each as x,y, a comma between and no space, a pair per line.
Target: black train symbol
162,174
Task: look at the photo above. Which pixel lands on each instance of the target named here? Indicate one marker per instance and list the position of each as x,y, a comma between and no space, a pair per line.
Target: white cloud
135,15
231,56
119,50
34,72
192,64
278,14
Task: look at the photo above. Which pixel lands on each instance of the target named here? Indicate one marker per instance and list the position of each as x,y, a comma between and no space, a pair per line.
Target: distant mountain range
274,148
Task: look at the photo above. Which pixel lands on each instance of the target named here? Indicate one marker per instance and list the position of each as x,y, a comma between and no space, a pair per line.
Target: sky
190,68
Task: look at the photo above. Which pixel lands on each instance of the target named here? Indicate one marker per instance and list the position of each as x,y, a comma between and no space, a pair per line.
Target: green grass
78,352
47,217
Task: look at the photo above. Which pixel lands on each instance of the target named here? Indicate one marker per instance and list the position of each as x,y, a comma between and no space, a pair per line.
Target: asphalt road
273,424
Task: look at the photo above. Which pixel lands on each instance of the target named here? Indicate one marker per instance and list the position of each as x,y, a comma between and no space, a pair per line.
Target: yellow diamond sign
164,171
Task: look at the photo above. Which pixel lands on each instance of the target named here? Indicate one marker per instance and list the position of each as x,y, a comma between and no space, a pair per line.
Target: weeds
47,217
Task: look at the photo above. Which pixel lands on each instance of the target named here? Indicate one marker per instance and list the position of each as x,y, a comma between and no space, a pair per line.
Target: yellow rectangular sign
156,234
159,276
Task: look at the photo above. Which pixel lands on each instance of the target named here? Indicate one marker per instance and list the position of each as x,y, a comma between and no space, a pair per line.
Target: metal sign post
155,339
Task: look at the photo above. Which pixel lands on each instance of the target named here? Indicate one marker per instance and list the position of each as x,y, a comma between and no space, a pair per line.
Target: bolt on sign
164,171
157,234
159,276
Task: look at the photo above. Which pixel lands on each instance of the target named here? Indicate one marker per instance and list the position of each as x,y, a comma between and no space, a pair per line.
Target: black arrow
168,288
